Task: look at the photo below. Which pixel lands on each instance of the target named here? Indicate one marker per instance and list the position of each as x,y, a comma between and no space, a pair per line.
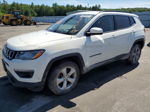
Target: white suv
57,56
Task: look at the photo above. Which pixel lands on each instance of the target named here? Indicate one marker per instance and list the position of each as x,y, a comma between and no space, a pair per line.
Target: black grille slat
8,53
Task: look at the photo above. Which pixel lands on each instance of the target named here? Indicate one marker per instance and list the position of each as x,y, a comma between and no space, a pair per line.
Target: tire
5,23
27,22
13,23
135,54
20,23
63,78
34,23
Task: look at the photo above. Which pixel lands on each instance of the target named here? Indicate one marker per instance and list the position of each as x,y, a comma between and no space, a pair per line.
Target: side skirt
117,58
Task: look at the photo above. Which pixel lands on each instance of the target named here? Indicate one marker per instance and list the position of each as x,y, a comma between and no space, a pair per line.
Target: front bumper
36,82
31,86
37,67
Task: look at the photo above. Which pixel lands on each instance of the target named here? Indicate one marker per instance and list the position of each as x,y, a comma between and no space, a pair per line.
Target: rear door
123,34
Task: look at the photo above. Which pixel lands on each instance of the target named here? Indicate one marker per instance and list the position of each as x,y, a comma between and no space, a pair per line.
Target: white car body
108,45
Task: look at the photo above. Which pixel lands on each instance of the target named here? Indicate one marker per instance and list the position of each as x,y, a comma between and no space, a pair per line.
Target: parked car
57,56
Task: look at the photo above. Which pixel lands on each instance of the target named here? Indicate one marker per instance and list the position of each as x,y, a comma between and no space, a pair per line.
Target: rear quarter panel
138,30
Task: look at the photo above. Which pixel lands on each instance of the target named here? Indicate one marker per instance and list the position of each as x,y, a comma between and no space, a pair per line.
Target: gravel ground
112,88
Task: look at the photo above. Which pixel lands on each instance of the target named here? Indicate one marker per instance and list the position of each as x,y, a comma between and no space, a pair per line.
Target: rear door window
132,21
121,22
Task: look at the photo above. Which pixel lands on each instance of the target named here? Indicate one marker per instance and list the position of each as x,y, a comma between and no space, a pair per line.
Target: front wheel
134,54
63,78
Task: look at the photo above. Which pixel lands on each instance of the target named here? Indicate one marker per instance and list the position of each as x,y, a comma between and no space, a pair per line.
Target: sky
104,3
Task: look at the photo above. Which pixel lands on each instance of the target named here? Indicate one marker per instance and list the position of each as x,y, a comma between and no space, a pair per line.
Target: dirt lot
113,88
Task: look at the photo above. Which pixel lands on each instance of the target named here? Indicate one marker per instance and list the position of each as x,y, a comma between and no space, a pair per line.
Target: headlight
29,55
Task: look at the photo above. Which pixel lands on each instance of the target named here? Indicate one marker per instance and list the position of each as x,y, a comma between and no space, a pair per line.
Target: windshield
71,25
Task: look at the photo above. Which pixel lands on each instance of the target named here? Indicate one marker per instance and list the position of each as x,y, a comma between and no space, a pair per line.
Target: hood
33,40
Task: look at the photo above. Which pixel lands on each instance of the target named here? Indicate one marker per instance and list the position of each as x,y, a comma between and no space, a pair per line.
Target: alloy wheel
66,78
136,53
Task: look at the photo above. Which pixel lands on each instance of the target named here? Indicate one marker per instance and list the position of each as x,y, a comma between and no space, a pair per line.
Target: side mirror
95,31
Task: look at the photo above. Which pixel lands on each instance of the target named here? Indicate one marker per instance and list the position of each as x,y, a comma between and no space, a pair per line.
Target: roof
120,13
103,12
88,12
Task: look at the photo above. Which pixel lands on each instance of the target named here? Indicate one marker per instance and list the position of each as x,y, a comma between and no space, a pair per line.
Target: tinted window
132,21
106,23
122,22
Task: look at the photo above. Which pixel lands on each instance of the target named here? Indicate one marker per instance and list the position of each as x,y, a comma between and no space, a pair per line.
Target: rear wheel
27,22
34,23
63,78
134,54
19,21
13,22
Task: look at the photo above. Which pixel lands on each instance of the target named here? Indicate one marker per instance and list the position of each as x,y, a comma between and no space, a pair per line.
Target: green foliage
1,13
55,9
129,9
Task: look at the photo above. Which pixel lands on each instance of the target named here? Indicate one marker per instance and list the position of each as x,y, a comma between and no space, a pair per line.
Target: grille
8,53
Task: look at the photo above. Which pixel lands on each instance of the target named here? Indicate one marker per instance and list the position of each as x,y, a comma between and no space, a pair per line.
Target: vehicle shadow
21,100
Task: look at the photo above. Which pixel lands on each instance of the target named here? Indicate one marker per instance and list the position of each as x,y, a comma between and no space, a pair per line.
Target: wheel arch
140,41
75,57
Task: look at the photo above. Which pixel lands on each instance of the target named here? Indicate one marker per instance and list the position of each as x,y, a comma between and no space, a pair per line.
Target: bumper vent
25,74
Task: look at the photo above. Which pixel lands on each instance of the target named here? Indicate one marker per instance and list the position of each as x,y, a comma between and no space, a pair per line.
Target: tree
55,9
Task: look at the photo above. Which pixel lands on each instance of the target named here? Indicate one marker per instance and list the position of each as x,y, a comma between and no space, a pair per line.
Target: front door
101,47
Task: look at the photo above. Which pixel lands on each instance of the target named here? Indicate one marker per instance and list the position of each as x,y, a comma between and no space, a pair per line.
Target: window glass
71,25
106,23
121,22
132,21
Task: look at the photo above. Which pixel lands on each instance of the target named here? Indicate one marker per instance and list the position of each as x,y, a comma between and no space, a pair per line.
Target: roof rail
113,11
